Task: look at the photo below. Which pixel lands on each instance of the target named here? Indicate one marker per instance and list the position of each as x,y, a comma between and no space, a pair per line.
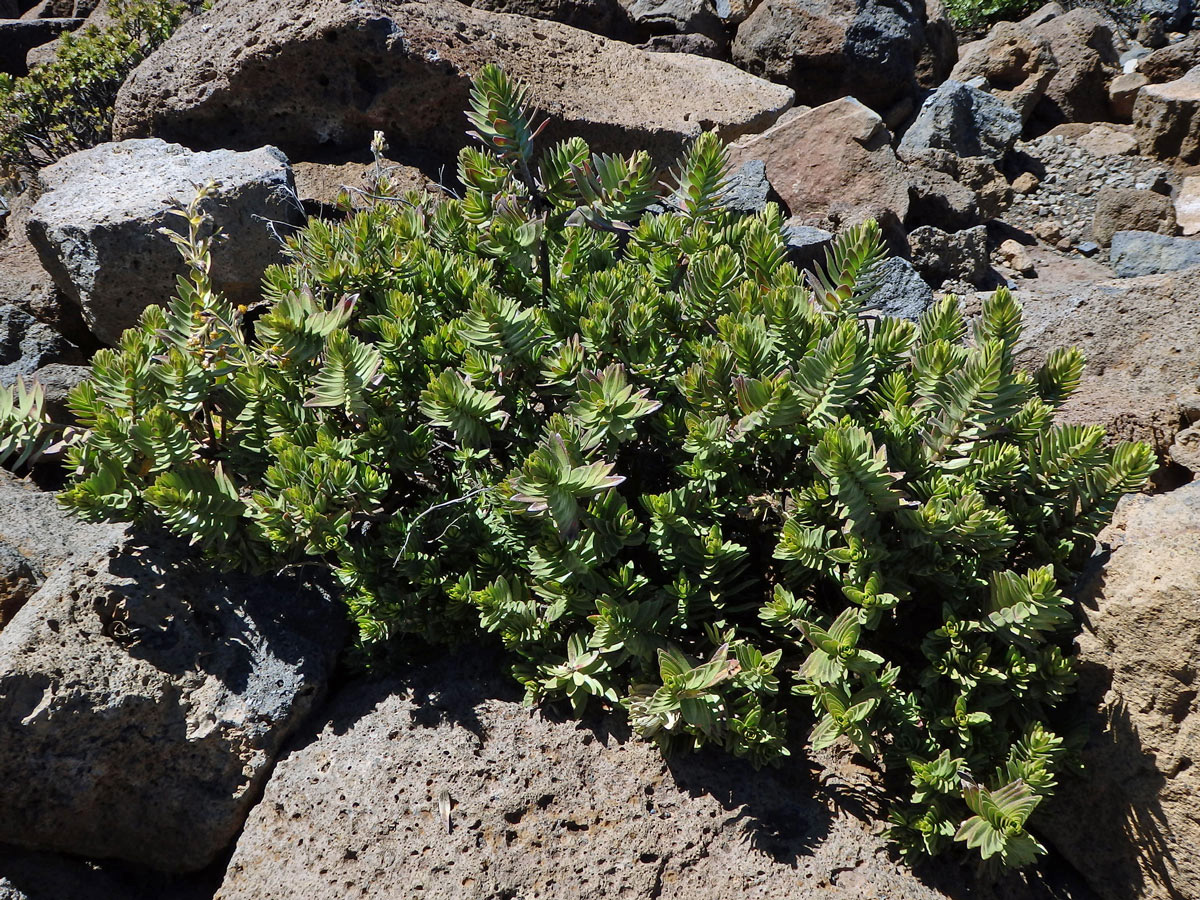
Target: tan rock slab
1122,92
1167,118
1141,338
1139,656
323,75
833,165
1187,205
1105,140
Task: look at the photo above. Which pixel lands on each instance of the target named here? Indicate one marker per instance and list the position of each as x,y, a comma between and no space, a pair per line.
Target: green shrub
661,468
67,104
977,14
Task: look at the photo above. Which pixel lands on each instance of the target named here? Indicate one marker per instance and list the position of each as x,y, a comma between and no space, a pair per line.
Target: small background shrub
663,468
67,104
974,17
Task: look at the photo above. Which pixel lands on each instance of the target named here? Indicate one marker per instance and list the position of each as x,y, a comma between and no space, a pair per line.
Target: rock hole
514,817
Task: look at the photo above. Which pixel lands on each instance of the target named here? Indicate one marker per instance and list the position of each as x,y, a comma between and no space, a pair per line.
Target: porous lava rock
322,75
1129,823
97,225
143,697
439,783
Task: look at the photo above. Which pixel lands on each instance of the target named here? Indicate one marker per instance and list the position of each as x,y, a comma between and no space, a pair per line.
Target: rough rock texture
1187,205
1172,15
877,52
940,255
100,16
749,188
1172,61
605,17
143,699
695,44
310,75
1141,338
1137,253
1185,451
18,37
1126,209
1108,139
17,582
1016,63
1167,118
96,227
936,198
1015,257
57,381
1085,44
24,281
321,183
901,291
36,537
1122,94
539,808
675,17
964,120
833,165
953,192
1139,659
27,344
806,244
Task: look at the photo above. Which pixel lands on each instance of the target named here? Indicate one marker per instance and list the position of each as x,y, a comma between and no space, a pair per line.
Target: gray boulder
97,225
1175,15
598,16
749,189
57,381
880,53
941,255
806,244
1135,253
27,344
901,292
965,121
439,783
143,699
36,537
674,16
323,75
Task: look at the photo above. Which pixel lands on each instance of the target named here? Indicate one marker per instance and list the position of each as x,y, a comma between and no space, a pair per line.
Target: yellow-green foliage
67,104
665,469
